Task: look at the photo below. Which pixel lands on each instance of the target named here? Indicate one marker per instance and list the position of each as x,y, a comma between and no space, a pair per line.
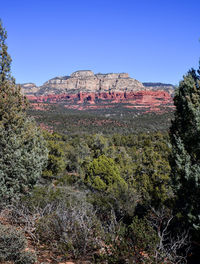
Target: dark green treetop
12,103
23,151
103,174
185,140
5,59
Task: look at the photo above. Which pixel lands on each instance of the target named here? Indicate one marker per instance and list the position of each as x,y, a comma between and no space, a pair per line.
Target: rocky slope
149,100
84,89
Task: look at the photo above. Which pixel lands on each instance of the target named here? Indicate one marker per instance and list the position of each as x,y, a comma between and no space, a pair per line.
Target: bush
123,203
12,246
103,174
71,224
27,258
132,244
55,163
60,216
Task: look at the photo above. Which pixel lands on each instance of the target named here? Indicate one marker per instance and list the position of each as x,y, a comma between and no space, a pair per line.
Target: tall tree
12,103
185,139
5,59
23,151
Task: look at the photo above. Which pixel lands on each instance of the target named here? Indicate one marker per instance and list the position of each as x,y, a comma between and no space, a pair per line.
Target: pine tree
23,151
185,139
5,59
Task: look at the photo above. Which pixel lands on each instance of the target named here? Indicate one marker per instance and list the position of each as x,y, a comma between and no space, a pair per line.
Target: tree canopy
185,139
23,151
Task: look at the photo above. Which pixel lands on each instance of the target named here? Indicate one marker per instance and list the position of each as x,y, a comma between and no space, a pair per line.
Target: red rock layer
140,99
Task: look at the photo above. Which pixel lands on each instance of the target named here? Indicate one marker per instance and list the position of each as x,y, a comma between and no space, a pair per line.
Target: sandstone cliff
86,90
29,88
146,100
85,81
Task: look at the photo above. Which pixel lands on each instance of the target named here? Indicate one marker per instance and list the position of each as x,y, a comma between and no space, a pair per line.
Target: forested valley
86,195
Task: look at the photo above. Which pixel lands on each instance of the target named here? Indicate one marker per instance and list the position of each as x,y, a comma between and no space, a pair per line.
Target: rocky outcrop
160,86
85,81
84,89
91,100
29,88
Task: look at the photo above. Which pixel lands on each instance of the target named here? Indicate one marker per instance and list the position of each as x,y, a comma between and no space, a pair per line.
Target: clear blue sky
152,40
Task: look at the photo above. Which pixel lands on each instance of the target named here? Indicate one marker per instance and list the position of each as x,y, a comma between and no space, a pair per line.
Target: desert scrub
70,224
62,217
12,246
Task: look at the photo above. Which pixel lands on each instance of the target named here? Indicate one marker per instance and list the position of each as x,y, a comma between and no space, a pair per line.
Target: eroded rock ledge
86,90
82,101
85,81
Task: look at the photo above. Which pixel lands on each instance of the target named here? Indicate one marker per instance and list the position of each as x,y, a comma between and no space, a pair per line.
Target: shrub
103,174
60,216
27,258
128,244
71,224
12,246
55,163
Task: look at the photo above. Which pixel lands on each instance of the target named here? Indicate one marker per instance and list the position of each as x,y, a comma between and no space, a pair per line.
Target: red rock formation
83,100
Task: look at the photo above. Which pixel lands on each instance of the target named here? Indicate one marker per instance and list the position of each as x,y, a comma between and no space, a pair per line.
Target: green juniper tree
185,139
103,174
23,151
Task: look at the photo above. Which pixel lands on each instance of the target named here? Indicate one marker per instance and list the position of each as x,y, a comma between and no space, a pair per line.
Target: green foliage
5,59
151,176
12,246
99,145
143,163
23,151
41,196
103,174
121,202
185,139
116,120
124,168
67,220
132,244
56,162
27,258
22,157
12,103
143,235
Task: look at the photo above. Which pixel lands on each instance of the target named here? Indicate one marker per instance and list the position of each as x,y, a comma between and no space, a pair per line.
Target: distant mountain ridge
85,81
156,84
86,90
160,86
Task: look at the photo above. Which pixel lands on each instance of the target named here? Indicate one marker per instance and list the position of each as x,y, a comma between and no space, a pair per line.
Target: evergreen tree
12,103
23,151
185,139
56,163
103,174
5,59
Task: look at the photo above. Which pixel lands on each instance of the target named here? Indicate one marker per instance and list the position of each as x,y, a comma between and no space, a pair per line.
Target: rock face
86,90
160,86
85,81
116,97
29,88
149,100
